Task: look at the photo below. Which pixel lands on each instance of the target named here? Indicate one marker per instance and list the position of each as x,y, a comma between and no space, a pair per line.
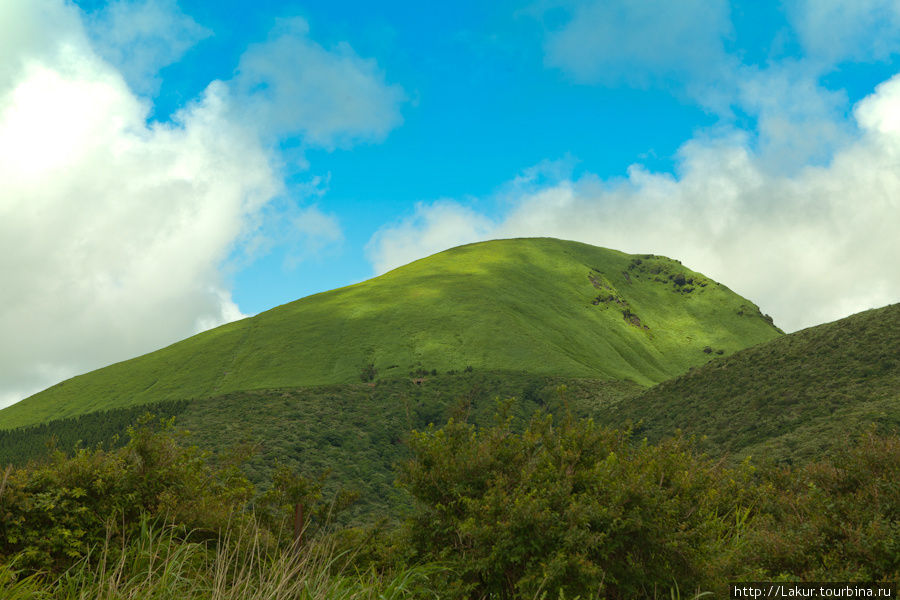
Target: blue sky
172,165
480,107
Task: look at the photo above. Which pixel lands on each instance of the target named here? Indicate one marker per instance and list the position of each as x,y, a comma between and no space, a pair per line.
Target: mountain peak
538,305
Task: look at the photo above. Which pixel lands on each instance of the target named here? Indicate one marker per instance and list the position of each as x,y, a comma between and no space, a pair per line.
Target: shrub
572,507
52,514
836,519
368,373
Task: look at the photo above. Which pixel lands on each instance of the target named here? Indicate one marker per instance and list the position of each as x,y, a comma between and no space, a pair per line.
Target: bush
572,507
52,514
368,373
835,519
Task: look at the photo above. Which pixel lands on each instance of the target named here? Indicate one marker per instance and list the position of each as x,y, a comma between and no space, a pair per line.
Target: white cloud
834,31
140,37
432,228
316,226
291,86
307,231
640,43
809,247
31,31
113,230
797,120
680,46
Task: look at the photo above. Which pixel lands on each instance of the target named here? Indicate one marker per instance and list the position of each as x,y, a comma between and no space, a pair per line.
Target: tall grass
159,564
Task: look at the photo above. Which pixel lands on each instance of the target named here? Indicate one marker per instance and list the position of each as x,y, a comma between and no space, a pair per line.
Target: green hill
790,399
541,306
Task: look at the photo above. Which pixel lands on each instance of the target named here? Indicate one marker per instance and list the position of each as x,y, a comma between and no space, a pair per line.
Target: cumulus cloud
113,230
140,37
35,31
289,85
808,247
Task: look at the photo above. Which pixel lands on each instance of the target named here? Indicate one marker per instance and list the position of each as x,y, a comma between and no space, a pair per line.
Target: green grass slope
788,400
537,305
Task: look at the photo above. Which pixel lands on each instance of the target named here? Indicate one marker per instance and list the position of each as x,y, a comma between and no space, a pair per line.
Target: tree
300,500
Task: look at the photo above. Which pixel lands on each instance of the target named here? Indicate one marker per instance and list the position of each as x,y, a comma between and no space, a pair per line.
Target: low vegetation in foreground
553,507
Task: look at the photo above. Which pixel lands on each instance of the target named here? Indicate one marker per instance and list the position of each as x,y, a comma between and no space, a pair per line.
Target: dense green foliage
54,512
836,519
572,507
353,432
357,433
105,427
542,306
576,507
560,506
789,399
156,519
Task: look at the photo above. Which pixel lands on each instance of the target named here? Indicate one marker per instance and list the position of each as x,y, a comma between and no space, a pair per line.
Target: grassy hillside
789,399
542,306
